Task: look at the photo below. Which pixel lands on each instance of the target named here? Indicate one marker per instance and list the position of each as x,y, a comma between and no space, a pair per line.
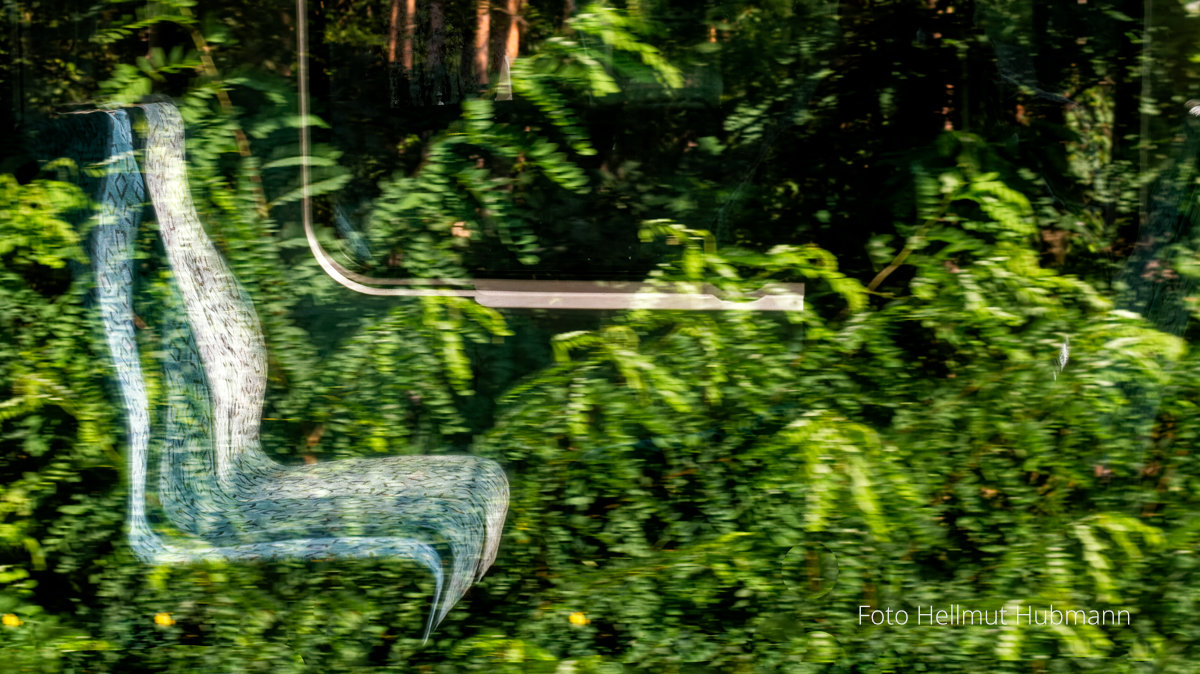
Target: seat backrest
222,318
99,147
215,483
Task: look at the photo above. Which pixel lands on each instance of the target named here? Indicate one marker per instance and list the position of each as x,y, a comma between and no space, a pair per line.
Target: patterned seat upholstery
218,495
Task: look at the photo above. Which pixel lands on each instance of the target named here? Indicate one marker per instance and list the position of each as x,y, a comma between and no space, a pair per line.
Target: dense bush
959,416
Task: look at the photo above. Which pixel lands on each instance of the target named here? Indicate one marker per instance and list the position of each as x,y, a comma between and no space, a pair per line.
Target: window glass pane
643,335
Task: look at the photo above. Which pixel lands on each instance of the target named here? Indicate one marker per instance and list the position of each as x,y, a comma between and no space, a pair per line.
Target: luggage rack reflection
508,294
594,295
629,295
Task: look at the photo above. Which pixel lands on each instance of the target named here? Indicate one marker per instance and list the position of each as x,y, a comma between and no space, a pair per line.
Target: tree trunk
436,76
402,28
394,28
483,33
410,32
400,33
512,44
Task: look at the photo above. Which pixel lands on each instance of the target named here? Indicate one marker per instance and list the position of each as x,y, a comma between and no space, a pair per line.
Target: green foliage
31,231
172,11
567,64
911,423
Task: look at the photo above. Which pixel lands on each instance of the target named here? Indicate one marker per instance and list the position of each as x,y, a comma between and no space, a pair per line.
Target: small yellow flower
579,618
163,619
11,620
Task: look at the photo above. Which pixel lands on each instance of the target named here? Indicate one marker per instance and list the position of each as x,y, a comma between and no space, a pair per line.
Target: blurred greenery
956,225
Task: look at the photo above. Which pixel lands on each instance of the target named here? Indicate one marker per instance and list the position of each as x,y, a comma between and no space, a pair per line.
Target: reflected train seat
218,495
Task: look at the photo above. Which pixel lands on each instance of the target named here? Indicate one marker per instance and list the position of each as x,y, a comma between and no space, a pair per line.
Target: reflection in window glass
451,335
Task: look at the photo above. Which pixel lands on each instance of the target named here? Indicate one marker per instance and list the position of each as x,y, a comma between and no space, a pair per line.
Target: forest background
988,400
